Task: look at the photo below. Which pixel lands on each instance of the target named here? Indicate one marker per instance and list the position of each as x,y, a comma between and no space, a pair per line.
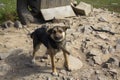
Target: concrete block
57,12
83,9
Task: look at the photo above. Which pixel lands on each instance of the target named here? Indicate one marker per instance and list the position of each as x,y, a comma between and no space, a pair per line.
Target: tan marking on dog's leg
33,56
34,52
54,71
66,60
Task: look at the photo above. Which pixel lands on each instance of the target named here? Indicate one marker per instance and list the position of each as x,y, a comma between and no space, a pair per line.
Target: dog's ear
65,27
49,31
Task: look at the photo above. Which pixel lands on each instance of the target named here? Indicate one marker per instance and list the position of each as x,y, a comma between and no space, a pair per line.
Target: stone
69,78
117,48
107,28
97,71
7,24
4,68
4,55
69,34
70,31
16,51
103,36
87,73
111,49
75,35
42,60
83,9
18,24
90,61
86,29
94,52
106,65
74,63
94,55
63,72
64,78
97,59
104,48
48,78
46,56
114,61
102,77
102,19
118,41
113,71
84,78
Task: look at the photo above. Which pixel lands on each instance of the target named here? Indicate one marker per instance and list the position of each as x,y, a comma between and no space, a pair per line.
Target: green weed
7,10
112,5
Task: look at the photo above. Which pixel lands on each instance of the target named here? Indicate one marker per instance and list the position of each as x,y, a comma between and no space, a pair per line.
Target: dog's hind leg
36,47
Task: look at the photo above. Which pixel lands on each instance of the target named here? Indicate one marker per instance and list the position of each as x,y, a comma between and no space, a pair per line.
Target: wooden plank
44,4
57,12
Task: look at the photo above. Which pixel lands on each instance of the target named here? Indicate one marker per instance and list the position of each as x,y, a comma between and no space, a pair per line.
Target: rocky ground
98,47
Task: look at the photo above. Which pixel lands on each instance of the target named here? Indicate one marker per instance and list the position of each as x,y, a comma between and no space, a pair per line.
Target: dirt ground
98,51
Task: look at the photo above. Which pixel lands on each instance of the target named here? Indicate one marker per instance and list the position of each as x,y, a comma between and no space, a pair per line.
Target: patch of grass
7,10
112,5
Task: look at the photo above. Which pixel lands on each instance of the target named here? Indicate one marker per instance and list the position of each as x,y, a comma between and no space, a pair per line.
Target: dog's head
58,33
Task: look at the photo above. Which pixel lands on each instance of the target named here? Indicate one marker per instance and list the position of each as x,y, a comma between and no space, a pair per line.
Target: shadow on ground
20,64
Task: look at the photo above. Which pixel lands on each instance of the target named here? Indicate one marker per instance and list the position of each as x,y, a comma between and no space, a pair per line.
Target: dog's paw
54,73
33,61
67,67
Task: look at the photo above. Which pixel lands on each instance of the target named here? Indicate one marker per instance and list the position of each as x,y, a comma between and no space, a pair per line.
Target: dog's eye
54,32
60,31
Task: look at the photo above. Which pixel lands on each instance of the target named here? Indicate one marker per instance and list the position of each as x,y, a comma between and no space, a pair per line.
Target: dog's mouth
58,38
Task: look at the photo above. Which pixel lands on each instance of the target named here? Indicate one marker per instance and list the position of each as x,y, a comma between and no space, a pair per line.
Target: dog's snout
57,37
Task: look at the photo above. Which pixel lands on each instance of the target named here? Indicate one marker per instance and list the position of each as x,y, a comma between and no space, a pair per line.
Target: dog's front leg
52,56
66,54
66,61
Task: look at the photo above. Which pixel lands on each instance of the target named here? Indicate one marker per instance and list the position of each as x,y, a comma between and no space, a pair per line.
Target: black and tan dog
54,39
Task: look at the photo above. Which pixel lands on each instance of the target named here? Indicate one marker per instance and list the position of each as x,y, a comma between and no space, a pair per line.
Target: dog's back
40,32
40,36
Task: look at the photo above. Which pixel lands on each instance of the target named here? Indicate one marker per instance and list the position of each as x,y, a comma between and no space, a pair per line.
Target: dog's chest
55,46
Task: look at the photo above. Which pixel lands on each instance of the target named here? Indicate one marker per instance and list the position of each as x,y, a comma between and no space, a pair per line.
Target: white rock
103,36
74,63
97,59
18,24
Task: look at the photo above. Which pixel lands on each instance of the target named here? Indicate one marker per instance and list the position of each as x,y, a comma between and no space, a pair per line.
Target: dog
54,40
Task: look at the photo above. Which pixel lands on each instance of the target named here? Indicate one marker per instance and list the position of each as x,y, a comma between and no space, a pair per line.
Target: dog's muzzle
58,38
